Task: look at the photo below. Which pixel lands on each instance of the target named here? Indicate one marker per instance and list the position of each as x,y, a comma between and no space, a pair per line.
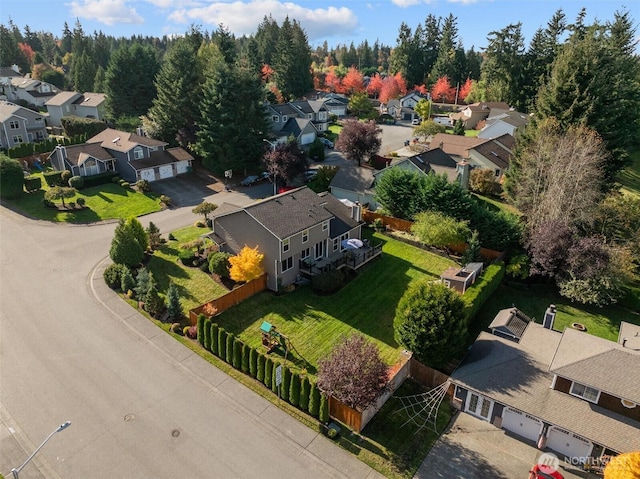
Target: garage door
522,424
182,167
339,111
307,138
166,171
567,443
148,175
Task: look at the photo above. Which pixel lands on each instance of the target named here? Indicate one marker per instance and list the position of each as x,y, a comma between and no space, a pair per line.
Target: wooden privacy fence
232,298
428,377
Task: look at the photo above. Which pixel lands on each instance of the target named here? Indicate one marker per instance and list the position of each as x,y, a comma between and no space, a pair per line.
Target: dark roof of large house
289,213
77,154
494,153
284,109
303,106
510,321
342,222
513,118
353,178
8,72
161,157
294,126
436,157
455,144
507,141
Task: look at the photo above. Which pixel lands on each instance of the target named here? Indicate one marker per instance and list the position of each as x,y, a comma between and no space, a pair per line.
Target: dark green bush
99,179
187,257
323,413
478,293
219,263
229,347
75,125
116,179
214,338
222,343
32,183
260,369
76,182
237,353
200,325
207,334
47,203
113,275
244,366
327,283
294,389
125,185
253,362
81,202
65,176
127,281
268,371
11,178
52,178
305,391
286,383
314,400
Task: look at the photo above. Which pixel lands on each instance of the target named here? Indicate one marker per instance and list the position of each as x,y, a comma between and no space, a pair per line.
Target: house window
497,172
17,138
319,249
336,244
585,392
287,264
305,236
479,406
305,253
284,118
322,115
138,154
310,116
325,225
285,245
14,125
90,167
275,118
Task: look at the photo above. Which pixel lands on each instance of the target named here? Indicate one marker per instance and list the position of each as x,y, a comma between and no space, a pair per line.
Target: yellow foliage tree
246,265
624,466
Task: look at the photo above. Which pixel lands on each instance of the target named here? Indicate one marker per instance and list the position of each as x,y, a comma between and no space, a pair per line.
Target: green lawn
103,202
495,204
629,178
367,304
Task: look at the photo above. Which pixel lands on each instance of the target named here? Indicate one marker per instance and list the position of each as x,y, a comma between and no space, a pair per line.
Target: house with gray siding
20,125
34,92
71,103
298,231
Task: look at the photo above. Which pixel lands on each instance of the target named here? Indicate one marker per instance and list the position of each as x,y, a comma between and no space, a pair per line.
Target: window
310,116
497,172
138,154
305,236
336,244
284,118
319,249
287,264
285,245
17,138
585,392
479,406
304,254
14,125
275,118
322,115
325,225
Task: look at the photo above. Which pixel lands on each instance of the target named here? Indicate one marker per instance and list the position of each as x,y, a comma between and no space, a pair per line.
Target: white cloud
406,3
109,12
243,17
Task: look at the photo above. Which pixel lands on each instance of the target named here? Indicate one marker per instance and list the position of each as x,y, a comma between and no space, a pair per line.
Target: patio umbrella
352,243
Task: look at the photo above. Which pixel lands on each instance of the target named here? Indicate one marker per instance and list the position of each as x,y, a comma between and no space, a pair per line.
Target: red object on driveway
544,472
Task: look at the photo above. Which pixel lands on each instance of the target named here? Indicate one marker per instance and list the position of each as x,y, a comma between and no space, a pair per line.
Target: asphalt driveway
475,449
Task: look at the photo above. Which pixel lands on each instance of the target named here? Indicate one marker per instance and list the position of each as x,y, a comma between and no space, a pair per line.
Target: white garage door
148,175
166,171
522,424
182,167
567,443
307,138
339,111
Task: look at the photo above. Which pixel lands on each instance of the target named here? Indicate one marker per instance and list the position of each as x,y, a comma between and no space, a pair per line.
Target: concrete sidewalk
319,450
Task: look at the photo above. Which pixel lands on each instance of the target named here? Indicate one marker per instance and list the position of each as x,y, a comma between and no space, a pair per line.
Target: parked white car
442,120
326,142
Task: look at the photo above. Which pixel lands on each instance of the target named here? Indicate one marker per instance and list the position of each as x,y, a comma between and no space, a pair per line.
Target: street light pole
61,427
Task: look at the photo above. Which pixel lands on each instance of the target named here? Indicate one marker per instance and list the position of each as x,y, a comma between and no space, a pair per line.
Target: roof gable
495,153
455,144
122,141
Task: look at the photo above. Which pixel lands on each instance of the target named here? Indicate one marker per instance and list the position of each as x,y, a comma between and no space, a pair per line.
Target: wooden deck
350,258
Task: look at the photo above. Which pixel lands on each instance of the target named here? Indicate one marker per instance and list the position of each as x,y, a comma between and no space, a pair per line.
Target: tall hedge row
478,293
214,339
207,334
200,328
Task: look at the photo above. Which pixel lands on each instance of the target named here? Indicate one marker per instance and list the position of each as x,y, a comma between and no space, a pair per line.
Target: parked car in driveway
327,142
309,175
415,121
249,180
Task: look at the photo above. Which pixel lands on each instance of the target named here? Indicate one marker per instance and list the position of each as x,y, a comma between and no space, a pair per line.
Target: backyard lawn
629,178
314,324
103,202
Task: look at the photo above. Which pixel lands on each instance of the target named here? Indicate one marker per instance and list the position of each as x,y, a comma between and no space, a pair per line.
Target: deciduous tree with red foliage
353,82
393,87
359,140
267,72
28,51
333,82
375,86
442,91
465,89
422,89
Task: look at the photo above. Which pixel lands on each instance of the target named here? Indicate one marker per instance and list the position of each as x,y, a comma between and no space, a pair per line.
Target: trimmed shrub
65,176
327,283
294,389
166,200
237,353
72,204
47,203
229,348
81,202
207,334
127,281
478,293
314,400
222,342
323,413
245,358
116,179
99,179
260,369
268,371
214,338
200,325
32,183
125,185
253,362
143,186
286,383
76,182
52,178
219,263
113,275
192,332
305,391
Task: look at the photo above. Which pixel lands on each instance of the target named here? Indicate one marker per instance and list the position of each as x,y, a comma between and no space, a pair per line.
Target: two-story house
506,123
336,103
34,92
288,120
71,103
298,232
314,110
472,114
573,393
20,125
134,157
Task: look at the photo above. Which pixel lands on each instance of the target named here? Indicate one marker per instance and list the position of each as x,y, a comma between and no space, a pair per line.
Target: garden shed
461,278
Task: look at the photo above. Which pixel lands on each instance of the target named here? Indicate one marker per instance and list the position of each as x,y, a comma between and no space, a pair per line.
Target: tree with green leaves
175,107
173,302
472,253
83,70
153,303
398,189
428,128
458,127
11,178
423,109
430,322
359,140
153,235
438,230
360,105
127,281
59,193
445,64
125,247
291,60
205,208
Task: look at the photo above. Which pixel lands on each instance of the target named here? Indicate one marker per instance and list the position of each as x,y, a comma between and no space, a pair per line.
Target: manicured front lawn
103,202
314,324
629,178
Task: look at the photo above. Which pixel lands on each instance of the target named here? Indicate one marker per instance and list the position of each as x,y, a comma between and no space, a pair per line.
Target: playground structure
272,339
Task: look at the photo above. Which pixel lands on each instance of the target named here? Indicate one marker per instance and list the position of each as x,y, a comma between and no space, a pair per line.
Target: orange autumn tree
624,466
375,86
442,91
353,82
393,87
246,265
333,82
465,90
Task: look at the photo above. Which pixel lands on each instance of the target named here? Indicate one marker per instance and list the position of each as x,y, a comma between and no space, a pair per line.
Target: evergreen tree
153,236
11,178
214,348
84,72
305,390
323,413
222,343
153,303
67,39
472,253
138,232
253,362
226,44
292,60
268,372
445,64
177,84
200,328
294,389
142,283
261,368
127,281
173,304
458,128
266,39
125,248
314,400
401,56
99,81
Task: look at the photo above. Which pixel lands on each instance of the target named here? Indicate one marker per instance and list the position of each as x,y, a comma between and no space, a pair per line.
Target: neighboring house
492,155
6,74
69,103
411,99
456,146
335,103
355,183
300,128
477,112
297,119
34,92
280,114
314,110
507,123
461,278
571,392
20,125
294,230
436,161
396,109
134,157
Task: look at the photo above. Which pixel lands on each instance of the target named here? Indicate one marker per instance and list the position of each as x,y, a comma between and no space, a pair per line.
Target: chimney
624,342
463,174
549,317
356,212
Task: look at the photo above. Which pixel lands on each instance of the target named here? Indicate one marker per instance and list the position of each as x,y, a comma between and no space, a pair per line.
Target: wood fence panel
426,376
345,414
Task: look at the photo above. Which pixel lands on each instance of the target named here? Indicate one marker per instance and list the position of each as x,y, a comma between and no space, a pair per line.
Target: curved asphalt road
141,405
